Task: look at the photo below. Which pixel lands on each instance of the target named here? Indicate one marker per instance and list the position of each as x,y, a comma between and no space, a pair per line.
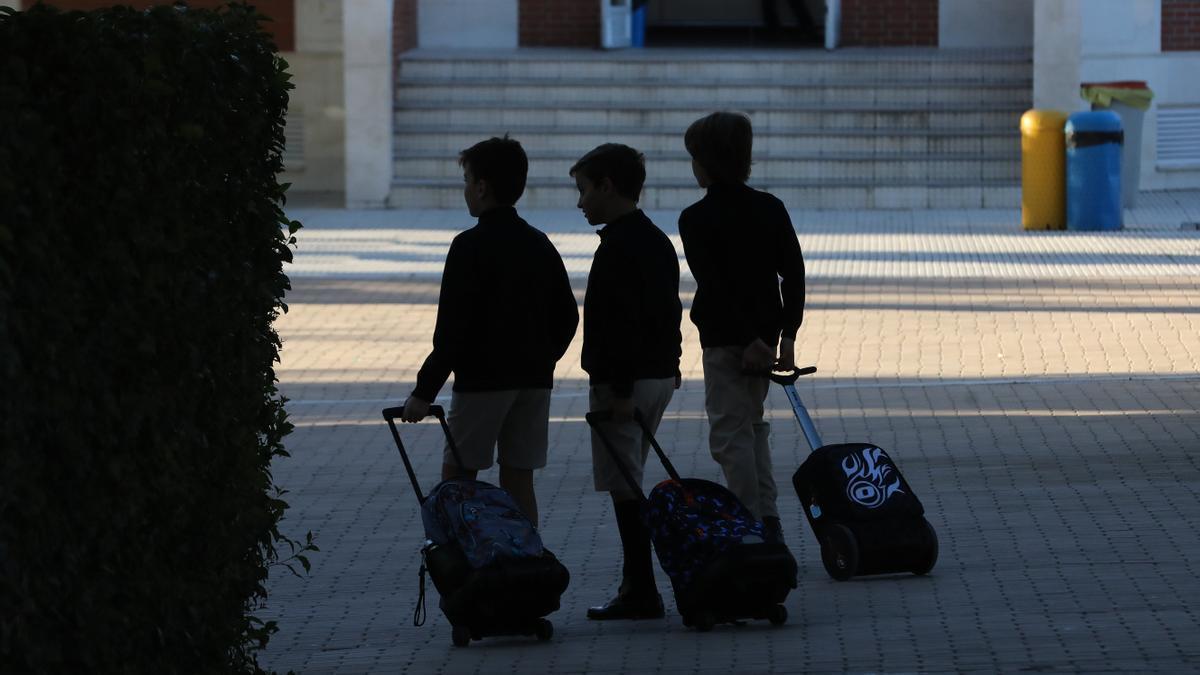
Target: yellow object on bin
1043,170
1133,93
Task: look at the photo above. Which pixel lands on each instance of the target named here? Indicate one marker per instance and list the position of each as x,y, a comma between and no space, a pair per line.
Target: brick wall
1180,25
559,23
282,13
877,23
404,25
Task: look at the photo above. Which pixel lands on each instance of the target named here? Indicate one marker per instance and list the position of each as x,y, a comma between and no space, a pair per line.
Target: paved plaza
1039,390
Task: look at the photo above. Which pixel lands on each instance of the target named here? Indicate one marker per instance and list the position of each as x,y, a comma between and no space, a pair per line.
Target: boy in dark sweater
740,244
631,349
506,315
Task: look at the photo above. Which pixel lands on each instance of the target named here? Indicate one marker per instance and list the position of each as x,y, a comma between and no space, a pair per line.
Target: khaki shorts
514,421
649,396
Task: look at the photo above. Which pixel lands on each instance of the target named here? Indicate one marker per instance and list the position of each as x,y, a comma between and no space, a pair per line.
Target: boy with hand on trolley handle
631,349
740,244
506,314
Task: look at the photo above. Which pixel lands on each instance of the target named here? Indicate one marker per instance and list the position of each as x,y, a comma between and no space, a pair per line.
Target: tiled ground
1039,390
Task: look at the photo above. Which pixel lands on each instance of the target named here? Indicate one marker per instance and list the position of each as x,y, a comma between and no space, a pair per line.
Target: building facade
344,53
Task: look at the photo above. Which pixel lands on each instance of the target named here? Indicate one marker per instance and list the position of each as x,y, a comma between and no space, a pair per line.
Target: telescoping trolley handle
788,381
390,415
594,419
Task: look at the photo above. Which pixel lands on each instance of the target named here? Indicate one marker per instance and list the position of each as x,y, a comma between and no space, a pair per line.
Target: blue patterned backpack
692,522
483,555
482,520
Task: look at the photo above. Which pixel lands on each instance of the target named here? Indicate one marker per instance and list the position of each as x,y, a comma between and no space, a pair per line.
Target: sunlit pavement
1039,390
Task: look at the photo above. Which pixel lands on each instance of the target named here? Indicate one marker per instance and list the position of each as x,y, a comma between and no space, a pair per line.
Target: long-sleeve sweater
506,312
743,252
631,311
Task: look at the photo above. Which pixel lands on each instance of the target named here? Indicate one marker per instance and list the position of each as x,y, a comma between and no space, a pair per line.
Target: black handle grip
790,377
391,414
398,411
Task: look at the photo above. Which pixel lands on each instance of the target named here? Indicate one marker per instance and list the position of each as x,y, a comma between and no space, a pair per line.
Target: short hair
502,163
721,143
621,164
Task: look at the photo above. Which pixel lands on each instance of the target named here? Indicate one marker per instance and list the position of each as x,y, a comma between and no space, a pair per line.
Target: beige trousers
738,437
631,445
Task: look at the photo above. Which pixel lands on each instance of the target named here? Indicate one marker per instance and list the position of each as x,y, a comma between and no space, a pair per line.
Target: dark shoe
772,530
629,607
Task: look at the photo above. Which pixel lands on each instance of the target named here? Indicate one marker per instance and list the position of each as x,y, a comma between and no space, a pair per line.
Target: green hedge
141,252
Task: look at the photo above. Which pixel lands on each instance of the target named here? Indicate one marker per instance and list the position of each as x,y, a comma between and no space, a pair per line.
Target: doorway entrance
735,23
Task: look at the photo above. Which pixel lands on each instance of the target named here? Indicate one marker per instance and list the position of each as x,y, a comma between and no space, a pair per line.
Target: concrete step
707,94
426,193
766,117
941,65
678,166
970,143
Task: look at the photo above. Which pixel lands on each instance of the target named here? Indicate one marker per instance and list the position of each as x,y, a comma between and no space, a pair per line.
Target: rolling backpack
865,515
710,545
485,557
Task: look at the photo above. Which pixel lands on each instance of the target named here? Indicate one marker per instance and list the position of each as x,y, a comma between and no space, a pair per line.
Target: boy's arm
703,259
451,329
622,322
789,265
564,311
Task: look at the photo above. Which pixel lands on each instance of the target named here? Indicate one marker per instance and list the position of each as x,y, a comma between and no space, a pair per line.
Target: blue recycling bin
1094,140
638,32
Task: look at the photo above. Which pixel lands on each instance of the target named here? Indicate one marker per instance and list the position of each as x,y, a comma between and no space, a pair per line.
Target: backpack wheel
545,630
778,615
839,552
460,636
704,622
931,551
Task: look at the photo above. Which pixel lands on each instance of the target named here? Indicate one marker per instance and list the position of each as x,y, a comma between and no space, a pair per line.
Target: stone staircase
852,129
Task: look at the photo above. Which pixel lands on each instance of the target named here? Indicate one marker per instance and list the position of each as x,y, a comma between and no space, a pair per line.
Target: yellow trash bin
1043,170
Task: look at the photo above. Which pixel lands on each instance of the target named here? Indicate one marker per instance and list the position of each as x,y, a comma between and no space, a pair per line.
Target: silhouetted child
739,243
506,315
631,349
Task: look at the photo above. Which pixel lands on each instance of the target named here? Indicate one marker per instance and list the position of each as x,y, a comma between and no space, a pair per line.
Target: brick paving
1039,390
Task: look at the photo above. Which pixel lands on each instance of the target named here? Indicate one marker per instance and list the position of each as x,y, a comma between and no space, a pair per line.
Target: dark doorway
735,23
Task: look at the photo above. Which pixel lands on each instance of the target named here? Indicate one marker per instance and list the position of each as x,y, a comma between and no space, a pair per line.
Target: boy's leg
767,491
453,471
523,445
637,597
733,406
519,482
651,397
475,419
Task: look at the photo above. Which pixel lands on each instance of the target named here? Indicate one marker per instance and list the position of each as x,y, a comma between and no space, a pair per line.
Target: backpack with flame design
861,510
854,481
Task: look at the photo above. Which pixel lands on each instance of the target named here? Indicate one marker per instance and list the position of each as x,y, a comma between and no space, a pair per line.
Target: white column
1057,54
1122,40
367,38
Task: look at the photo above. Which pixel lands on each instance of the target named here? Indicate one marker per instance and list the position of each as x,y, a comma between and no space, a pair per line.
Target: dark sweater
506,312
739,243
631,311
